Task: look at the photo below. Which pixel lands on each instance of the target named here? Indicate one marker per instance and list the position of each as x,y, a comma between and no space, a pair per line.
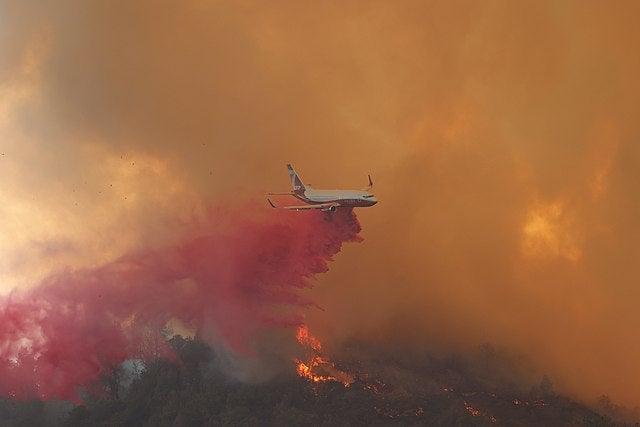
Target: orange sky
502,138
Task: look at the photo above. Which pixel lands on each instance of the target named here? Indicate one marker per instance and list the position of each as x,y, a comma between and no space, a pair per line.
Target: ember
477,413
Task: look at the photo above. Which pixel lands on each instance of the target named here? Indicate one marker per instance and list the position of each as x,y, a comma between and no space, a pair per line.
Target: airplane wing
322,206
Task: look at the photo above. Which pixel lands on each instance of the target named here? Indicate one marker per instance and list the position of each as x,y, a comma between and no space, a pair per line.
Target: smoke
228,283
501,137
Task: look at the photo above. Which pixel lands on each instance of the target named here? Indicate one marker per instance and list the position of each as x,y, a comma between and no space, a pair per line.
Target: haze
502,138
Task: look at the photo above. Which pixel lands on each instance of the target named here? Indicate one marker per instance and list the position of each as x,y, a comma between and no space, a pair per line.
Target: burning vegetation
385,389
315,367
457,389
359,384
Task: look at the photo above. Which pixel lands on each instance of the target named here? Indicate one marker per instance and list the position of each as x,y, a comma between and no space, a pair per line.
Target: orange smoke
502,138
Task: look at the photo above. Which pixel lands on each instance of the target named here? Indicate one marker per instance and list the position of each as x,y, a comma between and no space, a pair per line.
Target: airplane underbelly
320,199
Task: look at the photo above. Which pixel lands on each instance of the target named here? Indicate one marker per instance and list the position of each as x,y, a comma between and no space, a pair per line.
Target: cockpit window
368,195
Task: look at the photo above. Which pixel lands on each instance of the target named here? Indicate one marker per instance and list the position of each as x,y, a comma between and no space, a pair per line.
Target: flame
307,340
316,368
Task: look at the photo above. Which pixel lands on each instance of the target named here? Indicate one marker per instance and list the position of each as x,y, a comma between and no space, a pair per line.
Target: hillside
382,391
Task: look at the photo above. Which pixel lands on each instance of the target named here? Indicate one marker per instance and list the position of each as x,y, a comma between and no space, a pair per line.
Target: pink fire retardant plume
73,327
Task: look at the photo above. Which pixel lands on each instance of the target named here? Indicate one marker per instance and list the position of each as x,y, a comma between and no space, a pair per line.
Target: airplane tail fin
368,187
296,182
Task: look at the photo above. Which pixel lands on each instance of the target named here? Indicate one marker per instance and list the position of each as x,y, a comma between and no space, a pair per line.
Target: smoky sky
502,139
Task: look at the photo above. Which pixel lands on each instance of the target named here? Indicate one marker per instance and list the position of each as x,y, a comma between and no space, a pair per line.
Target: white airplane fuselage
350,198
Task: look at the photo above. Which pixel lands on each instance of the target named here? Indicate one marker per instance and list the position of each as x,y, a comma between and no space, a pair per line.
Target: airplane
325,200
